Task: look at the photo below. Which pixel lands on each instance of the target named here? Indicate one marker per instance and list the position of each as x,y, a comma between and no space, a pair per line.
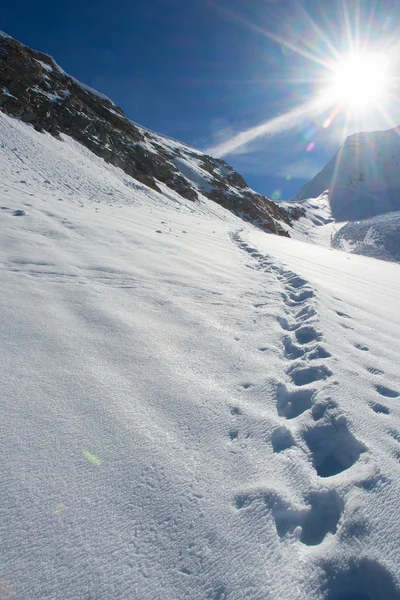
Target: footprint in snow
305,313
310,522
296,282
246,386
318,352
375,371
361,347
284,323
219,594
333,447
291,404
357,579
387,392
282,439
303,376
292,351
307,334
380,408
292,299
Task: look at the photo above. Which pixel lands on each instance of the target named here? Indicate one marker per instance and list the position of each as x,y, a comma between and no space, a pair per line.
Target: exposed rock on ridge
36,90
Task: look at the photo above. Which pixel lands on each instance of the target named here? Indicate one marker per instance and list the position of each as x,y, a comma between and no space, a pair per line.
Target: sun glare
360,81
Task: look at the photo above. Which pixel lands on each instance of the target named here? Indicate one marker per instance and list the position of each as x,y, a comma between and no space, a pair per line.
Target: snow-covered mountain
37,91
355,198
363,178
190,408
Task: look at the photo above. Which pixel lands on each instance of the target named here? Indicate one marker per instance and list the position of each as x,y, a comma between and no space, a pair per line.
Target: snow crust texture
191,408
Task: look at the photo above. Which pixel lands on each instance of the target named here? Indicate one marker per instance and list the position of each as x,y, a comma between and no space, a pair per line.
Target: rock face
363,178
36,90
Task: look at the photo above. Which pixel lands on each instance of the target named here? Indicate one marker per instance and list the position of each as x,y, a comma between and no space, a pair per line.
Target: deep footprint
301,376
291,350
320,517
292,404
284,323
305,313
307,334
302,296
296,282
380,408
358,579
333,448
318,352
387,392
323,517
281,439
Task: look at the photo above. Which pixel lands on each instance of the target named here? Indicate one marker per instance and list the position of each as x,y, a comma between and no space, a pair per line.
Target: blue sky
203,71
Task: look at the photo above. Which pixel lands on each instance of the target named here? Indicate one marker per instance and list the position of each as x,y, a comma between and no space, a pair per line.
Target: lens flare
92,458
360,81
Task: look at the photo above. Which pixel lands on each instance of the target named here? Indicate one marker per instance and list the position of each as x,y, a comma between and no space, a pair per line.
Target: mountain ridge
36,90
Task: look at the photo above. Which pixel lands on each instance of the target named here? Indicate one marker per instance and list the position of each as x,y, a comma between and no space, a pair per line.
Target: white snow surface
191,408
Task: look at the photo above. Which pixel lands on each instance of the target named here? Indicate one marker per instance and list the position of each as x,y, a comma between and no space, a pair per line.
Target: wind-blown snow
192,409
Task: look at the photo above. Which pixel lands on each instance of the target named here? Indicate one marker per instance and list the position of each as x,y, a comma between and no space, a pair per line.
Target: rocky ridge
36,90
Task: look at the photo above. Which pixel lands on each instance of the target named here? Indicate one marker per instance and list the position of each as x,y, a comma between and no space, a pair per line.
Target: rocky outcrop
36,90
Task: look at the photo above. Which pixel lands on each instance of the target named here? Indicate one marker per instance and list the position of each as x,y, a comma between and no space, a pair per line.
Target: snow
5,91
192,171
378,237
51,96
208,412
45,66
89,89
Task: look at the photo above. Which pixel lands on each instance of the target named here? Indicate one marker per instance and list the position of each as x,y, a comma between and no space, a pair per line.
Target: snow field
191,409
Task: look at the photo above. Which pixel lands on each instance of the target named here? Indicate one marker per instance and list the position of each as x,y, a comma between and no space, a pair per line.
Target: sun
359,81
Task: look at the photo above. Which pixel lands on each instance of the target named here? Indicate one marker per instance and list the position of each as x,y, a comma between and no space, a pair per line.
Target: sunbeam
273,126
349,74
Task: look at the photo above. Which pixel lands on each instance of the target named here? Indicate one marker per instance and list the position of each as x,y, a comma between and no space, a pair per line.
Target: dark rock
35,90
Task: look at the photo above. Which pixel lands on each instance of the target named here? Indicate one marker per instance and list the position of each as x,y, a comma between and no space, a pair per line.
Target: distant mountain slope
363,178
36,90
378,237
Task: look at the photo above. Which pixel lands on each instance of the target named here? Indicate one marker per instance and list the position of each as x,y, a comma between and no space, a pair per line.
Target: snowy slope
378,237
191,408
363,178
361,186
34,89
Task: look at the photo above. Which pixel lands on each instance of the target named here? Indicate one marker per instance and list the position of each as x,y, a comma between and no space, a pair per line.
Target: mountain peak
363,178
